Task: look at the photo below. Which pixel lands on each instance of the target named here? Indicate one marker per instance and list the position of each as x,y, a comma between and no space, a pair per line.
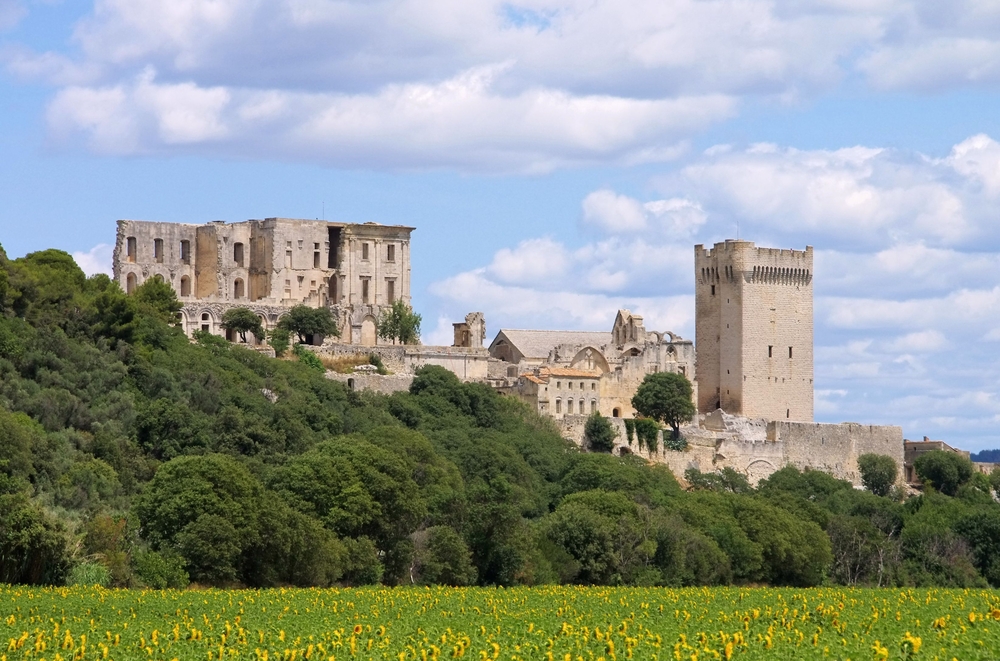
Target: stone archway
368,336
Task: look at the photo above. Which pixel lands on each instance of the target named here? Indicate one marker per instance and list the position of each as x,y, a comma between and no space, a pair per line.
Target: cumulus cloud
614,214
494,85
96,260
464,121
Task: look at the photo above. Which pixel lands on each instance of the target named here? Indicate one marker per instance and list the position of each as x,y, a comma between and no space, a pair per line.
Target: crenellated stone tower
754,330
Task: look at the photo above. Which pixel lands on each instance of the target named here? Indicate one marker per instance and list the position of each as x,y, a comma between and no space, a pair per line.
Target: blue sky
558,157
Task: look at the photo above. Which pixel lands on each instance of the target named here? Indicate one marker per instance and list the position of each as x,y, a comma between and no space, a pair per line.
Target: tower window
186,252
158,250
185,286
788,413
789,352
713,290
770,351
238,254
316,260
130,248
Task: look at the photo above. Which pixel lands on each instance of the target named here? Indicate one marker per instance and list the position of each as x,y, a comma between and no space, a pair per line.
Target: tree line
132,455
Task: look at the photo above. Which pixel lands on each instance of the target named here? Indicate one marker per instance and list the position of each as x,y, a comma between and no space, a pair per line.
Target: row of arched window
239,287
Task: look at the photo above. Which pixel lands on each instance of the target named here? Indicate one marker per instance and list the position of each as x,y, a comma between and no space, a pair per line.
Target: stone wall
757,448
467,364
383,383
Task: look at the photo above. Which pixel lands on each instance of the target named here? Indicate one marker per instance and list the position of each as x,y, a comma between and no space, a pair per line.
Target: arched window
185,286
206,322
238,288
582,403
130,283
593,406
558,406
616,413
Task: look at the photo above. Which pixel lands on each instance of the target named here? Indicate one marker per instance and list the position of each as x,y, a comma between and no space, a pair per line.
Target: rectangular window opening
390,291
158,250
364,251
186,252
316,260
713,290
238,254
364,290
390,253
770,351
789,352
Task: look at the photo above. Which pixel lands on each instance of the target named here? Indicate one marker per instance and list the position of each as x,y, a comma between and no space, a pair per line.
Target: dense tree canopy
131,455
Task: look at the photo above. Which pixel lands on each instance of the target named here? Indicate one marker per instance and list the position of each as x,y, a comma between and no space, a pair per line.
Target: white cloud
615,214
462,122
96,260
856,195
919,342
494,85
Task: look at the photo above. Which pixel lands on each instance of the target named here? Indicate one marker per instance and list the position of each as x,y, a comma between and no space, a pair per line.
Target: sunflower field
564,623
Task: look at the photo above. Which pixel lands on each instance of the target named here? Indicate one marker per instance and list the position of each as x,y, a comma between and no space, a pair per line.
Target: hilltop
131,454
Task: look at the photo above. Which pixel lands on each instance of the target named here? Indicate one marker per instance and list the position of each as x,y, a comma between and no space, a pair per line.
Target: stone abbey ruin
751,363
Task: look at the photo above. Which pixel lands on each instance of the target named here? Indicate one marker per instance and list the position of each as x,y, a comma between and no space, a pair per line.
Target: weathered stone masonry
269,266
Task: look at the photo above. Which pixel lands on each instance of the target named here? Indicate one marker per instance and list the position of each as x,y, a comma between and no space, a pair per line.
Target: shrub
89,573
598,434
878,473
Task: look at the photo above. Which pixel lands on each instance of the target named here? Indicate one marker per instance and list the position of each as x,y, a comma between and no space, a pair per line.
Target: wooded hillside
130,455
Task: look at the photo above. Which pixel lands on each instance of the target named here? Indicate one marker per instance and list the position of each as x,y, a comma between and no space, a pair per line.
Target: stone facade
754,330
270,266
557,372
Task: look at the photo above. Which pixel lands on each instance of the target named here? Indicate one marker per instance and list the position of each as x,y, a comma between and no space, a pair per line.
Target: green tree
399,323
443,558
305,321
158,299
878,473
599,434
279,338
945,471
666,398
207,508
242,321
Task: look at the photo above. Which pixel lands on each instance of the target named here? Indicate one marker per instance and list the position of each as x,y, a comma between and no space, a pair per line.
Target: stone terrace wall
758,448
835,448
385,384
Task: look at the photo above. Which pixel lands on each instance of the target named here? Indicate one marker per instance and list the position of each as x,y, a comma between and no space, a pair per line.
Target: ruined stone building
270,266
754,330
567,373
